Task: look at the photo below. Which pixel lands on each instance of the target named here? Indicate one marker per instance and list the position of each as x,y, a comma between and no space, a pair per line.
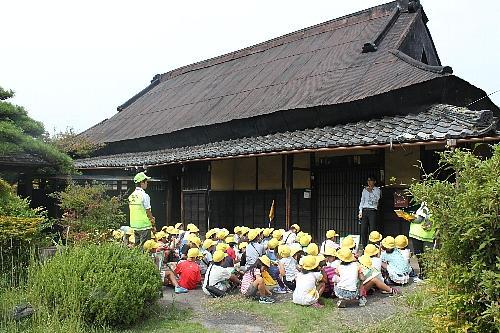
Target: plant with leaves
103,285
73,144
88,208
465,271
21,135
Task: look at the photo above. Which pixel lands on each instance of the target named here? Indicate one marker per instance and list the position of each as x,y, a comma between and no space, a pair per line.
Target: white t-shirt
217,274
146,200
290,266
406,254
289,237
328,243
348,276
305,292
377,264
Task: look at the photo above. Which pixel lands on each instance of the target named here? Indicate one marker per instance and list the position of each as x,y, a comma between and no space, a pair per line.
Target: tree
465,270
73,144
21,135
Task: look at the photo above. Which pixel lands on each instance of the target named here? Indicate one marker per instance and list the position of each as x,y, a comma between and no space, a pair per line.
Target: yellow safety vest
138,218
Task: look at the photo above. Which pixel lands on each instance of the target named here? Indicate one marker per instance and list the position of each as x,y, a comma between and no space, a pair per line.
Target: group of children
262,262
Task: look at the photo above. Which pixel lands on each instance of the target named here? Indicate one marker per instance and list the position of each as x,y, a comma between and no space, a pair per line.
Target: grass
161,319
289,317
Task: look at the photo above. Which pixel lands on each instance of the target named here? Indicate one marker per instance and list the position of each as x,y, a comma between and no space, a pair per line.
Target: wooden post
288,191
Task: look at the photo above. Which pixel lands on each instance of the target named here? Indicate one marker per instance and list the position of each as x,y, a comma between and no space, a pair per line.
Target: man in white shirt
368,209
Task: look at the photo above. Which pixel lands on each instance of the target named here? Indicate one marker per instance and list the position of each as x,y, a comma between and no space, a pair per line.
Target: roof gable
320,65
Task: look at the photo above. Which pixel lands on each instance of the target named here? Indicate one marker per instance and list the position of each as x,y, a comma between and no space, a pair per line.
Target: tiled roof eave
435,124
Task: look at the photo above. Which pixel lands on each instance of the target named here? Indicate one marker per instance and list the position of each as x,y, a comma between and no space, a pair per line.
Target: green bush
108,284
89,208
465,271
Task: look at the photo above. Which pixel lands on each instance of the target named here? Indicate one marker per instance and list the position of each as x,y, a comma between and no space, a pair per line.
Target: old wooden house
301,119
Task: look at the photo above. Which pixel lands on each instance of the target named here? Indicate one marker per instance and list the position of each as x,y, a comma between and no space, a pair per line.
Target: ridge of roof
266,45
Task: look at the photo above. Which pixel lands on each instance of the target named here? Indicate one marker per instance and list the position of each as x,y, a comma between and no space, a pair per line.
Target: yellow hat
321,257
237,229
221,247
192,228
159,235
331,234
273,243
375,236
243,245
211,232
222,233
305,240
312,249
219,256
150,245
401,241
130,231
172,230
310,262
244,230
284,251
296,227
208,243
365,261
348,242
300,234
193,253
265,260
230,240
267,231
294,248
131,239
195,240
178,225
252,234
330,251
277,234
388,242
117,234
345,254
371,250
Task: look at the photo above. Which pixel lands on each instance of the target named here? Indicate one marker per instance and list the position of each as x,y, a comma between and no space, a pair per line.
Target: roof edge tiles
434,123
443,70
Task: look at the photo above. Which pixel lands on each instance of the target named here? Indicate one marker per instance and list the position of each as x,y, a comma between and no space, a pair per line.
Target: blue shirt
397,261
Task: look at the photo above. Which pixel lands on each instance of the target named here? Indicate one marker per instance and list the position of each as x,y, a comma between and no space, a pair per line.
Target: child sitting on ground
288,265
218,276
373,252
310,283
188,270
370,278
206,254
395,267
350,275
252,283
330,269
329,242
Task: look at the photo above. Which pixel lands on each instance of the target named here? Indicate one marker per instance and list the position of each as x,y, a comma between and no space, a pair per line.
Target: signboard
400,200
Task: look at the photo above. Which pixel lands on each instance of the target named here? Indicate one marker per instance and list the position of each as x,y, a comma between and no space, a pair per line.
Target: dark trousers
368,224
141,236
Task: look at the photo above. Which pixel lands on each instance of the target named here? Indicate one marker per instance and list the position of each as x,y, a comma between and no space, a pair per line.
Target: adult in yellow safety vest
142,220
422,233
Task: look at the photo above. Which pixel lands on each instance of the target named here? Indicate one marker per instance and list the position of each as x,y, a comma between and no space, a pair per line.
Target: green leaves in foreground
465,270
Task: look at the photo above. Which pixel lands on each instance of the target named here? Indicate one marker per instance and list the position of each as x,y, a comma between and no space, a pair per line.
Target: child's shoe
266,300
362,301
395,292
180,290
279,290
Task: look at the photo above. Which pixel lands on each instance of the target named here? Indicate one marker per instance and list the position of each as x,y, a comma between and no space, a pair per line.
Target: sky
71,63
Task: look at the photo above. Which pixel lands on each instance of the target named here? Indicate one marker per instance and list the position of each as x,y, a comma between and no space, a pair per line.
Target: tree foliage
20,134
73,144
466,269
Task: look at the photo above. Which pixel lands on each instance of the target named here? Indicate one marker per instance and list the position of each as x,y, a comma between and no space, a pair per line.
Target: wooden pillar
288,190
182,194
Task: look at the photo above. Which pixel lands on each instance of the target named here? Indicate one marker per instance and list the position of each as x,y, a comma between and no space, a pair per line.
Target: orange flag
271,213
